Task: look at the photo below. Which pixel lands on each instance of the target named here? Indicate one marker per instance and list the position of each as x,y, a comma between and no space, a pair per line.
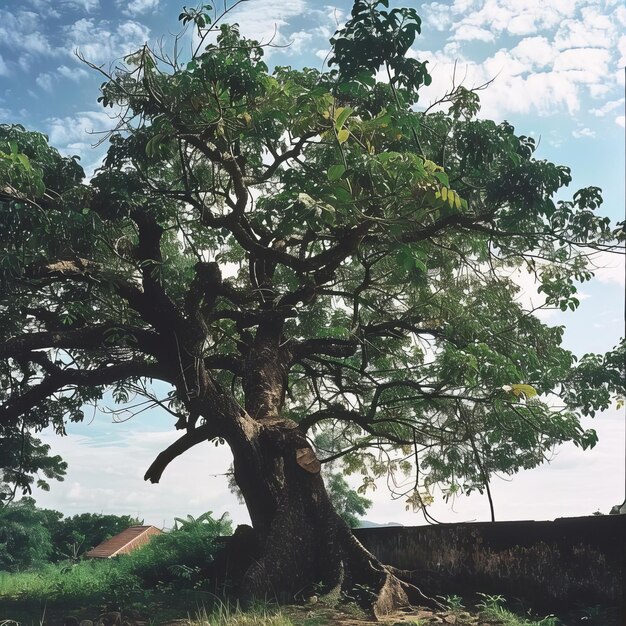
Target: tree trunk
298,545
302,546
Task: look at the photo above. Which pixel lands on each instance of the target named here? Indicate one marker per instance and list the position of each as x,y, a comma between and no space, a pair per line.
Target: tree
346,502
73,536
315,270
25,535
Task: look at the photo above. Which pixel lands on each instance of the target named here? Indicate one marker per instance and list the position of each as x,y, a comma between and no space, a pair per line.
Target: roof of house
124,542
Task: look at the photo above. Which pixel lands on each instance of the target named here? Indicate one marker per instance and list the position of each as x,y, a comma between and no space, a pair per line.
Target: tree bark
302,546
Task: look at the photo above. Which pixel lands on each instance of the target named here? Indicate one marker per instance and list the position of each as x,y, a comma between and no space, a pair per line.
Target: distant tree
315,271
73,536
346,501
25,537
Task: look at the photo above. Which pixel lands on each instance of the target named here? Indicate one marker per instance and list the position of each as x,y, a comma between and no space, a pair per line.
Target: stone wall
578,561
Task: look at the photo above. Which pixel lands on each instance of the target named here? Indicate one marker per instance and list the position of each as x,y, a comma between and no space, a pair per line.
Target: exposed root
413,591
390,597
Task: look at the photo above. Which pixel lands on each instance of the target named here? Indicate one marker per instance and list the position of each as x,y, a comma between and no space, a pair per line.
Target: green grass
492,607
85,582
228,615
171,566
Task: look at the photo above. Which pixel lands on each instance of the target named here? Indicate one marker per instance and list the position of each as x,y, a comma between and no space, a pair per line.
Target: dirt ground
320,616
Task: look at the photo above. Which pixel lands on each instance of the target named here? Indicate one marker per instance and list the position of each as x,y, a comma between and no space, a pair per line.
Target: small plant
491,603
361,594
549,620
452,602
492,607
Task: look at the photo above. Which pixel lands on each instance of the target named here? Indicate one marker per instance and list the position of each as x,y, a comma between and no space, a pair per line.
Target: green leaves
375,38
376,239
335,172
341,115
410,258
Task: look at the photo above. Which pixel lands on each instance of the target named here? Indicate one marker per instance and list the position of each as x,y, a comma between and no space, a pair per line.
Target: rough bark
299,544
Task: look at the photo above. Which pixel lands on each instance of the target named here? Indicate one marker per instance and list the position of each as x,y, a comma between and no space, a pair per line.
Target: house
124,542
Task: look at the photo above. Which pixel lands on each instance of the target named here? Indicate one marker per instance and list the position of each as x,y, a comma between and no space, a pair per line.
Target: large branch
187,441
338,412
87,338
329,346
57,378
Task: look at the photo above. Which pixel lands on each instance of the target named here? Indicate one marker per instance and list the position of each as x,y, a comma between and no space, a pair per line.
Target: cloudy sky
557,68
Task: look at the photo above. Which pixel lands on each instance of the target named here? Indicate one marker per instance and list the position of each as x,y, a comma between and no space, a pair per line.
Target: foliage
171,561
492,607
227,615
347,502
181,556
31,537
369,244
73,536
25,538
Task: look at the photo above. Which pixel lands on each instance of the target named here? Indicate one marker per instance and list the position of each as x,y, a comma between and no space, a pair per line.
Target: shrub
181,556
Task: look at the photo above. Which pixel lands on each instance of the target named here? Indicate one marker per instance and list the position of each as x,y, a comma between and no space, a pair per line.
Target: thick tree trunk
300,545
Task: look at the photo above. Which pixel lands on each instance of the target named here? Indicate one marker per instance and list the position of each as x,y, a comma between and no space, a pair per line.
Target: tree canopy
308,261
30,536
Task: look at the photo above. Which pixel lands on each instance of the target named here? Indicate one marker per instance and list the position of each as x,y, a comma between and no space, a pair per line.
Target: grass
228,615
492,608
87,587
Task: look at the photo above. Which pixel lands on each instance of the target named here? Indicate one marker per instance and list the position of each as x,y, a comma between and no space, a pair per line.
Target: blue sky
558,74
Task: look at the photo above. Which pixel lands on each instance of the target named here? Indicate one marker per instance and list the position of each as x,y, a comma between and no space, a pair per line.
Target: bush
180,557
177,559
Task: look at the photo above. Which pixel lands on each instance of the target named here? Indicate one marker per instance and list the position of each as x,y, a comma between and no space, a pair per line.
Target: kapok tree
315,270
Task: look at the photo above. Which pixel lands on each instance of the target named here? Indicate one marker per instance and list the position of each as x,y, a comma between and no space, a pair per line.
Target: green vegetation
493,607
172,562
31,537
301,265
348,503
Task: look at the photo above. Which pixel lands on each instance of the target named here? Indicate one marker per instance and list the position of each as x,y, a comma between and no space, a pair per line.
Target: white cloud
138,7
467,32
43,8
515,89
619,120
536,52
74,74
583,133
265,20
609,267
500,16
591,63
4,70
100,42
80,128
21,30
621,46
85,5
620,15
332,19
299,41
45,81
565,50
109,479
607,107
592,28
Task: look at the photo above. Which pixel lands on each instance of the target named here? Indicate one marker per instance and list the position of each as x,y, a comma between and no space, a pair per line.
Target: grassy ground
89,588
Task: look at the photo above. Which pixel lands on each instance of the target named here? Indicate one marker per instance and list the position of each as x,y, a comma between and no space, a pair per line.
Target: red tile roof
123,543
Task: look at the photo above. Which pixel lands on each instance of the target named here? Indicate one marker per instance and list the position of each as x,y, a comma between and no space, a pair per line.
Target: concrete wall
569,562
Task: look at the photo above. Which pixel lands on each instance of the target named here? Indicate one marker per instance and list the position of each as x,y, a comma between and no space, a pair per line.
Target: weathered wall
578,561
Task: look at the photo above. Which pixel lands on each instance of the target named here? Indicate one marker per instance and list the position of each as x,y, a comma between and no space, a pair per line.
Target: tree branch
58,378
187,441
87,338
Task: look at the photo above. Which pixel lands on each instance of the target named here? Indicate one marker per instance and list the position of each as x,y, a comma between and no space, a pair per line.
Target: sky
557,73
